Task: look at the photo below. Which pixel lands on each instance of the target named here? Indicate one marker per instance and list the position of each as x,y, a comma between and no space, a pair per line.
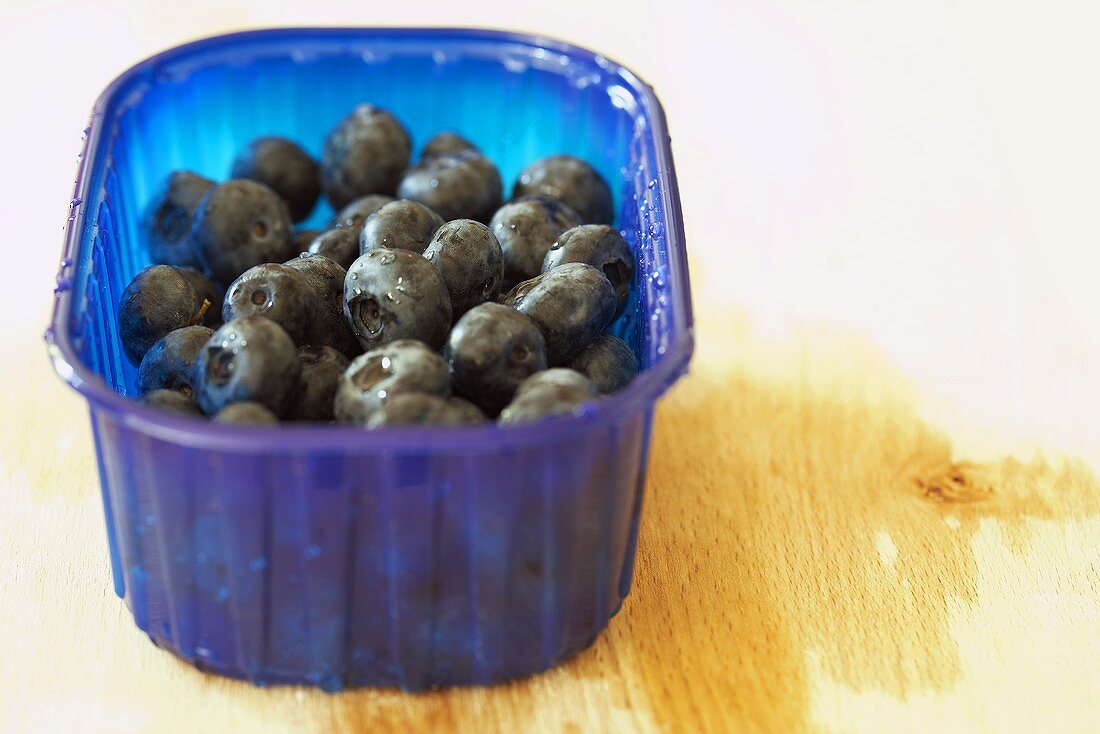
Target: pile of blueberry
428,301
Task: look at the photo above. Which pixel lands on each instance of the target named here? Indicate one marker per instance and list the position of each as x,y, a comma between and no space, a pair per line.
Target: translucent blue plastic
328,555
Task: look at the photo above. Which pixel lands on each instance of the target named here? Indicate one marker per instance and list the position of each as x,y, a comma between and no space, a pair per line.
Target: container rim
642,392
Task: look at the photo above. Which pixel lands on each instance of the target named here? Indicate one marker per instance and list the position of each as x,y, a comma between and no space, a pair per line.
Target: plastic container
328,555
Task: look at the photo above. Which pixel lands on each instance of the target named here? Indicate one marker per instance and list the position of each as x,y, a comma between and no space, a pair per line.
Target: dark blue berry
355,214
303,238
322,370
555,391
399,225
246,414
571,305
608,362
208,292
458,185
571,180
278,292
250,359
444,143
469,258
526,228
326,278
170,363
172,400
365,153
284,166
159,299
239,224
419,409
396,294
490,351
340,245
374,378
167,218
601,247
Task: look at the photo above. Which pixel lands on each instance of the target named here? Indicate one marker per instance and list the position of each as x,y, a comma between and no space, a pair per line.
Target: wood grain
813,557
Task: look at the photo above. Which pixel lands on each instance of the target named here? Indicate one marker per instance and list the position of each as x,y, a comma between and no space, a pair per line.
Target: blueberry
396,294
419,409
364,154
608,362
570,180
278,292
326,279
526,228
602,247
249,359
458,185
490,351
399,225
322,369
555,391
246,414
303,238
167,218
170,363
284,166
158,300
469,258
240,224
374,378
444,143
571,305
208,292
171,400
355,214
340,245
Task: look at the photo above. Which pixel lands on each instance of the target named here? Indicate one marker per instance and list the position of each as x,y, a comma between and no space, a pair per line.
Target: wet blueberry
167,218
326,278
340,245
172,400
239,224
608,362
170,363
490,351
322,369
372,379
571,305
159,299
570,180
303,238
396,294
399,225
286,168
444,143
526,228
278,292
462,185
355,214
250,359
555,391
419,409
365,153
469,258
602,247
246,414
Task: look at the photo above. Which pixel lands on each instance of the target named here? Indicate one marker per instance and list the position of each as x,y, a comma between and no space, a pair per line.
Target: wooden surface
813,557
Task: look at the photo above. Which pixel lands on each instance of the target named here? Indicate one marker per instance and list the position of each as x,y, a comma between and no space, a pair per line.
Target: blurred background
921,174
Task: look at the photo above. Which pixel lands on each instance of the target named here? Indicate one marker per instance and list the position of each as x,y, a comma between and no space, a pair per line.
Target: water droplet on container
313,551
258,564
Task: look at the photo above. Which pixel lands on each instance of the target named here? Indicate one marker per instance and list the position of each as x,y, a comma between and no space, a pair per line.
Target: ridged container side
329,556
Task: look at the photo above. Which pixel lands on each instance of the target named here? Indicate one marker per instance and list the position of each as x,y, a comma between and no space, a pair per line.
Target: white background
924,174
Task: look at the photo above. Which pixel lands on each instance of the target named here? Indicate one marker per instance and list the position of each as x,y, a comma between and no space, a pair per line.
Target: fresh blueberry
285,167
602,247
458,185
159,299
340,245
355,214
399,225
326,278
419,409
208,292
608,362
250,359
170,363
571,305
490,351
469,258
240,224
278,292
555,391
303,238
396,294
322,369
525,229
167,218
571,180
172,400
246,414
364,154
444,143
372,379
